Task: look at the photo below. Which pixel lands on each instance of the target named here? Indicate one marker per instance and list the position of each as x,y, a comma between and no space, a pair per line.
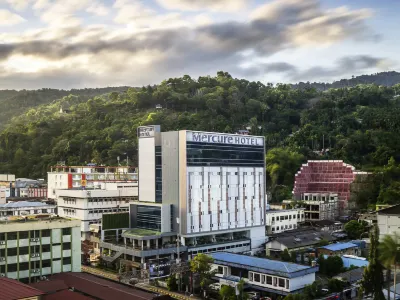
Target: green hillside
358,124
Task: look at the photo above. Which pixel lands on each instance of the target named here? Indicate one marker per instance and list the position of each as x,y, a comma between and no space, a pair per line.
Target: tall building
36,246
205,190
94,177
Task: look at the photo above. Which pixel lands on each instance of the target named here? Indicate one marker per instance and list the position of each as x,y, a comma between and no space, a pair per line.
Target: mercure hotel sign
215,138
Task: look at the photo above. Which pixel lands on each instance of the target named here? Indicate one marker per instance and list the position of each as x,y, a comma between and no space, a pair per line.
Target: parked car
215,286
253,295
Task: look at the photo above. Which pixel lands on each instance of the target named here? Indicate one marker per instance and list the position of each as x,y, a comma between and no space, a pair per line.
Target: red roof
11,289
100,288
50,286
66,295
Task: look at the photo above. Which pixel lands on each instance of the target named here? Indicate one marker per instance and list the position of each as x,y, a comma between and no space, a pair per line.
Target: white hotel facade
213,184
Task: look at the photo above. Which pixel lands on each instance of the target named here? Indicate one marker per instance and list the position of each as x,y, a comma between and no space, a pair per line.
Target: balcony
139,251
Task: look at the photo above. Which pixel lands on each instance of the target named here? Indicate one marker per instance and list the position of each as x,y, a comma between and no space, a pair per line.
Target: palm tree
389,255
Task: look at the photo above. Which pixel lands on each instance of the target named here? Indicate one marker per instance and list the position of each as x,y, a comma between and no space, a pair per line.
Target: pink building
325,176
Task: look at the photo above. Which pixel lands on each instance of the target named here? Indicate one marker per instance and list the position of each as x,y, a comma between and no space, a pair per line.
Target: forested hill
357,124
13,103
383,78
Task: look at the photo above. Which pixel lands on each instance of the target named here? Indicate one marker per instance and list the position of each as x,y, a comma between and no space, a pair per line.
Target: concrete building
25,208
206,190
35,246
271,276
388,220
329,177
92,177
339,249
89,205
278,221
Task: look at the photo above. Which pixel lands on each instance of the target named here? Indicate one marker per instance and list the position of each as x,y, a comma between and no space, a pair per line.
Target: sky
96,43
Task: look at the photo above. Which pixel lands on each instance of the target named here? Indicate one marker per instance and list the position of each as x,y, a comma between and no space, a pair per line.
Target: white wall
290,220
76,249
301,282
224,193
388,225
147,171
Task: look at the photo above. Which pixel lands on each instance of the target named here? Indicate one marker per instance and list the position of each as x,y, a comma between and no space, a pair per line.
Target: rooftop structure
349,260
25,208
351,276
278,221
67,177
339,246
325,176
11,289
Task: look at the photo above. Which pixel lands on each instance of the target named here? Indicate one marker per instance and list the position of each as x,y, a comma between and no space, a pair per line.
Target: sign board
83,182
146,131
216,138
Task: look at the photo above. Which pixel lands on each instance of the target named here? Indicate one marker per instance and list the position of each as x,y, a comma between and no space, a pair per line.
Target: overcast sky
95,43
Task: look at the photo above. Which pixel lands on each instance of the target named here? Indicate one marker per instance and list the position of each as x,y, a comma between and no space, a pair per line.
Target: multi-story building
89,205
321,206
92,177
205,189
271,276
278,221
19,208
35,246
329,177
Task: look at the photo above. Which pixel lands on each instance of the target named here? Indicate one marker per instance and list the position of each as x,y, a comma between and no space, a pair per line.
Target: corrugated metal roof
339,246
270,266
66,295
22,204
11,289
50,286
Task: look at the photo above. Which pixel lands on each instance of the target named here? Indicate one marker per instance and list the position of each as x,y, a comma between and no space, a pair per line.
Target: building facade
92,177
204,190
275,277
278,221
20,208
89,205
32,247
388,220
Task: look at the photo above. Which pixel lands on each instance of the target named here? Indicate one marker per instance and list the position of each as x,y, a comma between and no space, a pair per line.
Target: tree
323,242
201,264
240,288
335,285
172,285
293,256
321,264
372,282
227,293
389,256
333,265
285,256
294,297
354,229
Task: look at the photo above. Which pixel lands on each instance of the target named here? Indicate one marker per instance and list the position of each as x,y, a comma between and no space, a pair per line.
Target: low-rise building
277,221
297,240
36,246
262,274
388,220
89,205
15,290
339,249
19,208
370,218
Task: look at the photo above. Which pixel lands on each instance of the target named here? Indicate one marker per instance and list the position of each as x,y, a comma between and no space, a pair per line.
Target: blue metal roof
18,204
262,265
339,246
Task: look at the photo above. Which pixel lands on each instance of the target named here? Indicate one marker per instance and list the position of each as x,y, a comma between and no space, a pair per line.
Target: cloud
342,67
198,5
7,18
19,4
97,8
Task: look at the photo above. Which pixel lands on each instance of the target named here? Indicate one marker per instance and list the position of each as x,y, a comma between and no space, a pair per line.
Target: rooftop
284,269
270,211
392,210
140,233
18,204
351,276
339,246
11,289
33,218
303,237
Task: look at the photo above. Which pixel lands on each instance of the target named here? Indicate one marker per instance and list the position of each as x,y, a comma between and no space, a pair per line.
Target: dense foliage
357,124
